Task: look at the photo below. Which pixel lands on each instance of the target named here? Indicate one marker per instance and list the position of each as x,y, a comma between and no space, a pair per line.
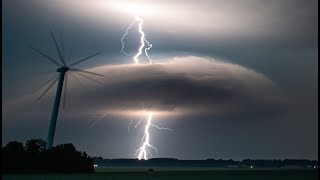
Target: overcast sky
233,79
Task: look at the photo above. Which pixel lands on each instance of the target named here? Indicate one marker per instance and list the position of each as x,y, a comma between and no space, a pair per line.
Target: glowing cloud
181,86
132,8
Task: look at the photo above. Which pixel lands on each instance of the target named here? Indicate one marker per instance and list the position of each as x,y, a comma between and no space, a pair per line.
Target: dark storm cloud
182,86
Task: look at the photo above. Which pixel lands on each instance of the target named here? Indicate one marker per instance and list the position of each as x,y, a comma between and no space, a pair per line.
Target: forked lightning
143,151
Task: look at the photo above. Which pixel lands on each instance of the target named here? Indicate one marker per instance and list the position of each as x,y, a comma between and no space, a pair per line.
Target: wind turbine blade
46,56
65,90
83,71
80,82
59,52
47,89
71,51
62,47
90,78
84,59
45,83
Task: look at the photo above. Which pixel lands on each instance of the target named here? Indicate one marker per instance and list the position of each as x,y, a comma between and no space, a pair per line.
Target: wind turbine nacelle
63,69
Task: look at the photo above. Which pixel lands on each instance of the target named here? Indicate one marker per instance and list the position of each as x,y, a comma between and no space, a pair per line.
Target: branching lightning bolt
144,150
161,128
122,49
143,40
147,49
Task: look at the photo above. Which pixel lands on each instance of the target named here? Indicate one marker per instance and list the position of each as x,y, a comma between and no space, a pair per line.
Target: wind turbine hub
63,69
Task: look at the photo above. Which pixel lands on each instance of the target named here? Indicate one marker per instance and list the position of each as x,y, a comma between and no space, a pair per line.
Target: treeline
276,163
247,163
34,158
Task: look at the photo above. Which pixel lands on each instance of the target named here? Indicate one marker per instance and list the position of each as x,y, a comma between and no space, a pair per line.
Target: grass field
179,175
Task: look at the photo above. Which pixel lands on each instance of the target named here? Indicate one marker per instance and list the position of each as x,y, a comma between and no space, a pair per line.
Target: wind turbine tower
62,78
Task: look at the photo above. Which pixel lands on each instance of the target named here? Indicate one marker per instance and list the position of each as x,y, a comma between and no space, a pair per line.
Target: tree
14,147
35,145
35,158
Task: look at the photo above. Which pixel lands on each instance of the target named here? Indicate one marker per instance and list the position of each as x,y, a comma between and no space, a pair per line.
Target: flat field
196,174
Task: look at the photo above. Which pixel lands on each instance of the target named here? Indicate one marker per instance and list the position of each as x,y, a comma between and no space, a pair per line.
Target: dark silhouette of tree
12,153
35,145
64,158
35,158
14,147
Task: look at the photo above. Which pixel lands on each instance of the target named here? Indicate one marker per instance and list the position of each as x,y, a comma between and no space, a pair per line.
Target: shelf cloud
178,86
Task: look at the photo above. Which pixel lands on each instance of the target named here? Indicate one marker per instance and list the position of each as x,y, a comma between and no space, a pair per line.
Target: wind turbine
62,70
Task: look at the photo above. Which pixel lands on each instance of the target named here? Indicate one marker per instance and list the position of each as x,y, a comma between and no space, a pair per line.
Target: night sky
233,79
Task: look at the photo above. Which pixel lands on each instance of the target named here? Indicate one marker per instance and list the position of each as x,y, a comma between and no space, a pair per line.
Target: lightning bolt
144,149
146,144
122,49
143,41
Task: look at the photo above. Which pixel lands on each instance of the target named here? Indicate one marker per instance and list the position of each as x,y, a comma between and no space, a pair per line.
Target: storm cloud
179,86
